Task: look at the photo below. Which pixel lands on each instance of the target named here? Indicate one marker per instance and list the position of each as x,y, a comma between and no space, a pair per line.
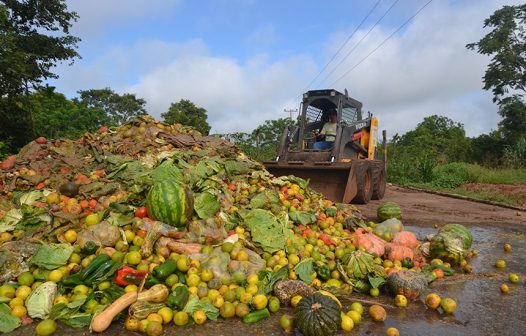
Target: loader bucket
336,181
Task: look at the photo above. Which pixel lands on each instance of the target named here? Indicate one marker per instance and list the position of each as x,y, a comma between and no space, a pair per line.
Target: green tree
34,37
270,132
506,43
187,113
58,117
513,123
436,140
506,73
487,149
118,108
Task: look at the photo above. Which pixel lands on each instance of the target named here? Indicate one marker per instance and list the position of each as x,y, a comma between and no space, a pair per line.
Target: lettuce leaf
304,270
302,217
194,304
206,204
266,230
8,322
51,256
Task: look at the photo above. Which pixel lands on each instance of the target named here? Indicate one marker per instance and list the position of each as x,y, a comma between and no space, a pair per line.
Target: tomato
41,140
92,203
438,273
103,129
141,212
40,186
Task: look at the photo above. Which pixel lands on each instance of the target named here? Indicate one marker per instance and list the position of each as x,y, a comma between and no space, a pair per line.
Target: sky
247,61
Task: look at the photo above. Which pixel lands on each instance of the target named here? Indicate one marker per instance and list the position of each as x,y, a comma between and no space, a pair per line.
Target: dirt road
425,209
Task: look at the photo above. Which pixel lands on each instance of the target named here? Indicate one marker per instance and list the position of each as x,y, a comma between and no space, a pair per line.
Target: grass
478,195
450,177
481,174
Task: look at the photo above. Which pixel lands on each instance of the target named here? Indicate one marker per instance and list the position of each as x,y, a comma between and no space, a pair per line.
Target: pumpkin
451,243
389,210
369,241
398,252
317,315
170,202
405,238
407,283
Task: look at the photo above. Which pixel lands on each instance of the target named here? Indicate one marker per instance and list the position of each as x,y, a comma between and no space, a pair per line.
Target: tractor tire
364,184
379,183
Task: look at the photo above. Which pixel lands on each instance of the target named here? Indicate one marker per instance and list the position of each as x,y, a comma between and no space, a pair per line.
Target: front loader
350,171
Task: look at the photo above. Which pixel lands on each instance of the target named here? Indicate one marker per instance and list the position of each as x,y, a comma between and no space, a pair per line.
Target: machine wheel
379,183
364,184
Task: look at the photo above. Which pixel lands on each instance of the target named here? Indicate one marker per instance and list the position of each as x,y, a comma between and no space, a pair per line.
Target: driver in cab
325,138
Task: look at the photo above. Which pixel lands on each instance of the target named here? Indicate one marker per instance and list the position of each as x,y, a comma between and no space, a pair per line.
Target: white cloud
238,97
423,70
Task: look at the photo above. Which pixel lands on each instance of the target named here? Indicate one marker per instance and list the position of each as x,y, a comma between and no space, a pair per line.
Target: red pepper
127,275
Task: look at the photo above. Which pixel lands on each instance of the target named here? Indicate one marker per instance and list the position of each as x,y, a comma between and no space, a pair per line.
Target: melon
389,210
170,202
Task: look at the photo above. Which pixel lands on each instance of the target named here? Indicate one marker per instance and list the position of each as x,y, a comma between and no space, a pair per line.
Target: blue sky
245,61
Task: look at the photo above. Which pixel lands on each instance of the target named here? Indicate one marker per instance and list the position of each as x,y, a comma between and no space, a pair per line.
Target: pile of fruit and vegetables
156,224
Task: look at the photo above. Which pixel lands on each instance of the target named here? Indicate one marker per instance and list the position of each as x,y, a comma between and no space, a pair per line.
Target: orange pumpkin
370,242
405,238
398,252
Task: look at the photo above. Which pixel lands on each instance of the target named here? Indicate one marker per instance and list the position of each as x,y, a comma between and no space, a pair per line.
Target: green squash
389,210
318,315
170,202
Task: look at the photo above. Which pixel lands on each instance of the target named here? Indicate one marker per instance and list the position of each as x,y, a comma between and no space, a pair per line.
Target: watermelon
451,243
389,210
170,202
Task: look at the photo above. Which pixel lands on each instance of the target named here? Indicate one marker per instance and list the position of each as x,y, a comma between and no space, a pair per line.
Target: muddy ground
426,209
482,309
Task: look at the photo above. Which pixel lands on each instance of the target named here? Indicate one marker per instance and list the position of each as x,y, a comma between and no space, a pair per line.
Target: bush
451,175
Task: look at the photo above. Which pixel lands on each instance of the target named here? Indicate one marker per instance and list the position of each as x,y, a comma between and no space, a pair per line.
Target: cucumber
256,316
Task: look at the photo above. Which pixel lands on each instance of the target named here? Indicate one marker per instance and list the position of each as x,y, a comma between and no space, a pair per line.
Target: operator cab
316,107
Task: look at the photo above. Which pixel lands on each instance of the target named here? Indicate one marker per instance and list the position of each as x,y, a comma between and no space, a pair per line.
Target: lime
260,301
25,278
358,307
7,291
347,323
181,318
154,328
227,247
133,257
46,327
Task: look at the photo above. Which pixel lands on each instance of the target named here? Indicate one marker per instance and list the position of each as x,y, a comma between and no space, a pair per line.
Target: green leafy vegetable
30,197
69,314
206,204
167,171
270,278
302,217
8,322
194,304
266,230
10,220
40,301
304,270
264,199
51,256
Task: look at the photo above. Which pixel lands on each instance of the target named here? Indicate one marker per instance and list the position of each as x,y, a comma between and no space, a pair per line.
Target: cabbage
40,301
